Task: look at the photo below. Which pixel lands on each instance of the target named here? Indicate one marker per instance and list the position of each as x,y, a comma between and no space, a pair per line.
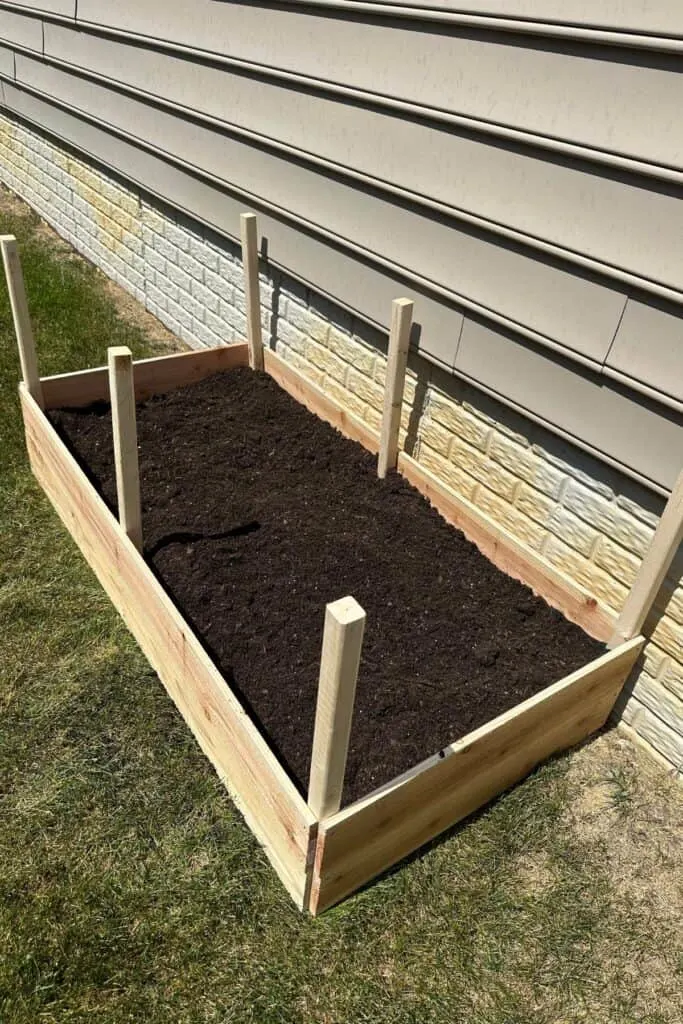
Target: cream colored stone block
436,437
345,398
586,573
665,704
672,677
671,601
655,730
446,472
523,528
366,389
668,635
607,518
327,361
617,561
410,384
372,417
302,366
572,530
654,660
534,504
476,464
525,464
461,423
353,352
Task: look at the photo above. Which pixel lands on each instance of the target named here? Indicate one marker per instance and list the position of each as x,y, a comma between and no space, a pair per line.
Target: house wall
456,159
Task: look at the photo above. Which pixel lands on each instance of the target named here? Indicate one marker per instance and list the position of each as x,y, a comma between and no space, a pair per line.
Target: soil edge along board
274,810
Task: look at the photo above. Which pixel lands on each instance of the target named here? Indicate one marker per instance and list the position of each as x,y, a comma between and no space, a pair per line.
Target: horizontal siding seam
42,132
533,242
591,35
452,296
605,157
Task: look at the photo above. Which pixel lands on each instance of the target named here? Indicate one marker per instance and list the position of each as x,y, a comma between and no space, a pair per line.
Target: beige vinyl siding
523,187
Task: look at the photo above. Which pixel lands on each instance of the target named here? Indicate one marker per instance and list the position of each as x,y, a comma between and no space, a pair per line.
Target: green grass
130,888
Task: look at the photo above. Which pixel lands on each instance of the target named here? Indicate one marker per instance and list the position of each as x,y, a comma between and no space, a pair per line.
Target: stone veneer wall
580,516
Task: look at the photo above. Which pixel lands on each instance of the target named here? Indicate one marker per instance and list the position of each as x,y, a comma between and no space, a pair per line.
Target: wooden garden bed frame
321,853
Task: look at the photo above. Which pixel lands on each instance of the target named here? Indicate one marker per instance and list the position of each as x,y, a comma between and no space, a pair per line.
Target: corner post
22,320
655,565
122,392
342,642
397,361
252,289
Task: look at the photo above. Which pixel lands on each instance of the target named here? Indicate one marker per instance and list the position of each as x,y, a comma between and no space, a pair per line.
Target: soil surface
256,514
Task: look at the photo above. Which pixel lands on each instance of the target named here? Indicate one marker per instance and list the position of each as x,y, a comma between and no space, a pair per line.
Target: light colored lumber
397,361
124,430
153,376
252,288
318,402
342,643
366,838
22,320
274,810
655,565
510,555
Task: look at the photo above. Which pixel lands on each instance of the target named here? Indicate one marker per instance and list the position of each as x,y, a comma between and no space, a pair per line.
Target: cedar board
321,862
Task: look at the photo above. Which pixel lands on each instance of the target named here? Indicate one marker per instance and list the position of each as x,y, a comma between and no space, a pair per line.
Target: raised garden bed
325,856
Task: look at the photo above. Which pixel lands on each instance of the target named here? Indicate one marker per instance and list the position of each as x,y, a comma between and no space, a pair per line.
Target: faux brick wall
192,281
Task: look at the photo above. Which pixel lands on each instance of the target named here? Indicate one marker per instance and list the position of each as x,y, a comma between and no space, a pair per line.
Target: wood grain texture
152,376
367,838
125,433
654,567
22,320
249,235
512,557
272,807
342,644
318,402
397,362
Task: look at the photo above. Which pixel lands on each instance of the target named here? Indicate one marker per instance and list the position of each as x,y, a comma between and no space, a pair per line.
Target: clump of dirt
256,514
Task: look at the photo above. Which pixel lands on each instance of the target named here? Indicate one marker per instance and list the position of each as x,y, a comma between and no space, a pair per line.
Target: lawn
130,888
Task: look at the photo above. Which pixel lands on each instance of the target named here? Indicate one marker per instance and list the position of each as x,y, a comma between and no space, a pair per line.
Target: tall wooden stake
252,288
22,320
122,391
397,361
658,558
342,642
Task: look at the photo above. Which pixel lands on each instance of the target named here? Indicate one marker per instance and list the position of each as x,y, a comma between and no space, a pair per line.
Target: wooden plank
125,433
22,321
152,376
509,555
318,402
252,288
654,567
367,838
269,801
397,362
342,643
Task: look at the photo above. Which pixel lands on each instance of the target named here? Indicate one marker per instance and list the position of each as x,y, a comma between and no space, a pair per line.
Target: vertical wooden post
122,392
658,558
22,320
342,642
252,289
397,361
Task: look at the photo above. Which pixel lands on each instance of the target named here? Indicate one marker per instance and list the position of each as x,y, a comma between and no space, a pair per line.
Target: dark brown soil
256,514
